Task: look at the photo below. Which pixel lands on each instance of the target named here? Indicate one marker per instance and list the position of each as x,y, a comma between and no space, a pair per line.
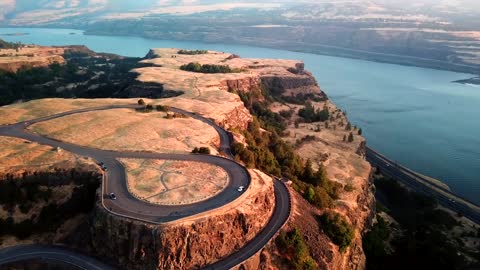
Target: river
414,116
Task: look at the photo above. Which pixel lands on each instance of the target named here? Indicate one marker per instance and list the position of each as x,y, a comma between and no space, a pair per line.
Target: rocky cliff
344,161
12,60
188,244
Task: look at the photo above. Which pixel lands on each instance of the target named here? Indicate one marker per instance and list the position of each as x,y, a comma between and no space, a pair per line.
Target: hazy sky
25,10
135,4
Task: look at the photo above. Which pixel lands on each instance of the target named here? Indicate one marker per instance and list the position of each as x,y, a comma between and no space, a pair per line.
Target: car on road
112,196
241,188
104,167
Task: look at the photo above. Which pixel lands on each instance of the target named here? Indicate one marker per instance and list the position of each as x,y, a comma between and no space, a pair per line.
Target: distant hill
427,33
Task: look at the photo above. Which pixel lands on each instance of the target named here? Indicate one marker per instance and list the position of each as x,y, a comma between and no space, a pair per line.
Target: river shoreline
327,50
318,49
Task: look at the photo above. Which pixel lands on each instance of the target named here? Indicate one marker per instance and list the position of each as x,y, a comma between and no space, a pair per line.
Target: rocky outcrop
27,63
362,149
151,54
189,244
361,219
246,84
303,82
238,118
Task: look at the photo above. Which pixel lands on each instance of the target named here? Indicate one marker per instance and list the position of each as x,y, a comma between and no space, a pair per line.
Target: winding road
128,206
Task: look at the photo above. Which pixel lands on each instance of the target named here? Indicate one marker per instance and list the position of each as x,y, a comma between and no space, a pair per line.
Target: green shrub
374,245
350,137
293,246
192,52
348,127
207,68
162,108
141,102
201,150
337,229
310,115
349,187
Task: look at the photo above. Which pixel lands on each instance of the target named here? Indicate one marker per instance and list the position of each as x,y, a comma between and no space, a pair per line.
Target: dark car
112,196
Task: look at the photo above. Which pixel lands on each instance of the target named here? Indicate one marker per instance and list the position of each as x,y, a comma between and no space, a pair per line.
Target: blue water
415,116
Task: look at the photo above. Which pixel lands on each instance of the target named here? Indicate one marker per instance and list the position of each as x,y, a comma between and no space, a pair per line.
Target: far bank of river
415,116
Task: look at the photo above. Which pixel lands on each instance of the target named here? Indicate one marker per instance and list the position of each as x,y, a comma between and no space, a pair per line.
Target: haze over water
413,115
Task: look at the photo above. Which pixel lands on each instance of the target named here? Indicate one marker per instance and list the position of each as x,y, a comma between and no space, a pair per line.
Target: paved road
279,217
416,182
55,254
128,206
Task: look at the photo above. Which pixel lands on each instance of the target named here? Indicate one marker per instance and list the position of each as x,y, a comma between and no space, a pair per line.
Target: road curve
115,182
415,182
128,206
46,253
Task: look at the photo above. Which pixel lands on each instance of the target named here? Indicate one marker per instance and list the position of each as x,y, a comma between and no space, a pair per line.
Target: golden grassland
170,182
18,155
129,130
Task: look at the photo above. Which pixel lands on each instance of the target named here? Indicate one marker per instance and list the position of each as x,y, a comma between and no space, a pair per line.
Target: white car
241,188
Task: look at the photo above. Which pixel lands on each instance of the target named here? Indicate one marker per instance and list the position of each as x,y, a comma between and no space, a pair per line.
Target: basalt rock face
302,82
243,85
190,244
238,118
27,64
362,220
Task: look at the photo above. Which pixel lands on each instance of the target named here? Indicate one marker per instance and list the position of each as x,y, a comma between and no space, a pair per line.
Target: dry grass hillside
43,107
14,59
18,155
130,130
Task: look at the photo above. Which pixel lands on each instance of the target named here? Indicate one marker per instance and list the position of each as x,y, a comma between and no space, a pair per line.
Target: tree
310,115
149,108
320,179
360,131
201,150
308,174
350,137
141,102
344,138
163,108
337,229
310,195
348,127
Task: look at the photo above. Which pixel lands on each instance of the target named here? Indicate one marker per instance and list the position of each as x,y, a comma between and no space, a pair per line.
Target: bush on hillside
192,52
292,245
337,229
310,115
201,150
207,68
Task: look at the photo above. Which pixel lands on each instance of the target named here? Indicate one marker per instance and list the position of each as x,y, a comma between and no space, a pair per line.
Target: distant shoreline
333,51
320,49
475,81
14,34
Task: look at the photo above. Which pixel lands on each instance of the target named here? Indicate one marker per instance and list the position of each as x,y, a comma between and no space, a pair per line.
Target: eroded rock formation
188,244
